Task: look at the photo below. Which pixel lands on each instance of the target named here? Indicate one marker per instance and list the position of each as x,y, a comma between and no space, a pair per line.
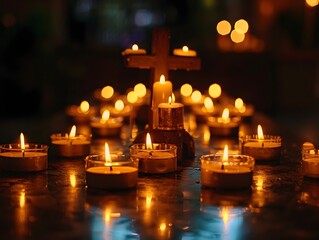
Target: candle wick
111,168
223,167
150,153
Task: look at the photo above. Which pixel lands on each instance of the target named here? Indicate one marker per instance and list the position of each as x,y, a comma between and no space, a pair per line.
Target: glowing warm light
186,90
173,97
225,214
107,154
225,154
162,79
169,100
22,199
260,133
241,26
237,37
148,141
214,90
132,97
84,106
72,180
225,114
148,200
223,27
239,103
140,90
162,227
119,105
105,116
107,215
206,136
107,92
312,3
73,131
196,96
259,183
135,47
185,49
22,142
208,103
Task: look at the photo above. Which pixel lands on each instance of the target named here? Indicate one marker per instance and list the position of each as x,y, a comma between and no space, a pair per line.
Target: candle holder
235,173
121,173
110,128
66,146
310,162
220,128
268,149
33,158
161,158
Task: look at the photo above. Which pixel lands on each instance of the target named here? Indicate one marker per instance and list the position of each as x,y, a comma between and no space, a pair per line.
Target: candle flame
148,141
185,49
84,106
132,97
186,90
215,90
105,115
107,92
173,97
170,100
119,105
140,90
162,79
196,96
107,154
22,199
135,47
73,131
225,154
22,142
208,103
72,180
225,114
239,103
260,133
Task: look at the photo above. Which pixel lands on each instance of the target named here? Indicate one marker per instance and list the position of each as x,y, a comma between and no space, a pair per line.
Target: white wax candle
263,150
184,52
72,147
118,178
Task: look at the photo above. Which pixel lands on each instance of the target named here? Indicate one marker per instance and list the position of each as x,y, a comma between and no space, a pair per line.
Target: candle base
310,168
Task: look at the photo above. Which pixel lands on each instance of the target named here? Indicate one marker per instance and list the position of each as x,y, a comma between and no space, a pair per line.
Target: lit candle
170,115
207,109
111,172
105,126
23,157
134,50
246,112
262,147
224,125
310,160
71,145
154,157
184,51
81,114
227,171
121,110
162,90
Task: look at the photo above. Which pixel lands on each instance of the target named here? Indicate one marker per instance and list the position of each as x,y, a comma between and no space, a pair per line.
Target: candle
227,171
246,112
133,50
23,157
184,51
162,90
310,160
154,157
71,145
262,147
105,126
205,110
224,125
121,110
110,171
170,115
81,114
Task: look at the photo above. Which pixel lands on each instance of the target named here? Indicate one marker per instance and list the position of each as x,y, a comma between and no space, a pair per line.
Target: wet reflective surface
56,204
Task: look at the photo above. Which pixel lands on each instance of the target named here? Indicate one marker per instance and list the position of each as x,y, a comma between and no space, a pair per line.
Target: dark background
56,53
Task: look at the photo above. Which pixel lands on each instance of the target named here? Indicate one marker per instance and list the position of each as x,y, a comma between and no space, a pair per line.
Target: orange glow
107,154
196,96
135,47
225,214
84,106
73,131
170,100
206,136
162,227
225,115
186,90
208,103
148,141
22,199
223,27
162,79
241,26
105,116
312,3
132,97
72,180
260,133
239,103
148,200
214,90
259,183
236,36
140,90
173,97
185,49
107,92
22,142
119,105
225,154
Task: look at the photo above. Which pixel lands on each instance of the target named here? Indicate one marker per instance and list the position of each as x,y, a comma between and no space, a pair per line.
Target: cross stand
160,62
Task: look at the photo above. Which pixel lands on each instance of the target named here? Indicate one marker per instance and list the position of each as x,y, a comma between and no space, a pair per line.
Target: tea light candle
133,50
81,114
154,157
224,125
162,90
227,171
110,171
262,147
23,157
170,115
71,145
310,161
246,112
120,109
206,110
184,51
106,126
